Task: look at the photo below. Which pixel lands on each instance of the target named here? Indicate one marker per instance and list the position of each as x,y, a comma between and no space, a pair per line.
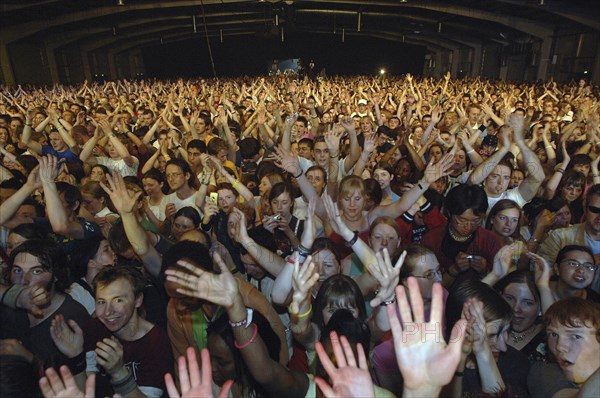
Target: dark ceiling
98,24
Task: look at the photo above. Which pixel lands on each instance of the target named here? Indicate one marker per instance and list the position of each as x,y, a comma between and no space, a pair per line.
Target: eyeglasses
430,274
576,265
173,175
472,223
594,209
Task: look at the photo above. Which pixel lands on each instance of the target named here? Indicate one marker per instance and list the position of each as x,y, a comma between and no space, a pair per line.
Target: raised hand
303,280
386,274
426,362
64,386
542,270
347,123
348,378
435,171
333,214
288,161
332,139
503,259
123,201
49,168
33,179
310,231
219,289
192,384
473,314
67,336
517,122
370,143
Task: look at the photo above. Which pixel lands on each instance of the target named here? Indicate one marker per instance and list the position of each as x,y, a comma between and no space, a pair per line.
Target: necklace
458,238
518,337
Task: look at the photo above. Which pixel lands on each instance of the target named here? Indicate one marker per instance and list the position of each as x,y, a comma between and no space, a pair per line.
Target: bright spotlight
382,71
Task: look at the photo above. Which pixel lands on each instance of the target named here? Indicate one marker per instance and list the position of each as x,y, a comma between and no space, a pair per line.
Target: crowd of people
278,236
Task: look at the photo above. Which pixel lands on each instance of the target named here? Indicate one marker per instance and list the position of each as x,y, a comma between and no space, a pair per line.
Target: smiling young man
134,354
573,330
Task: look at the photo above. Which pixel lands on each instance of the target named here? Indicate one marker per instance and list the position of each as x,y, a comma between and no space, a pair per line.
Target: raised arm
61,223
552,184
352,158
116,142
289,162
484,169
10,206
433,172
535,173
270,261
125,203
27,130
222,289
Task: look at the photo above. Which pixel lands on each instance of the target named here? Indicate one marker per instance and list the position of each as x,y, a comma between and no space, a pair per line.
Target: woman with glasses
464,249
575,268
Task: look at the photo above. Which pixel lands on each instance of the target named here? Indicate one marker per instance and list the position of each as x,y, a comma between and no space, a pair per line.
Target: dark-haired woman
463,247
87,261
526,333
488,364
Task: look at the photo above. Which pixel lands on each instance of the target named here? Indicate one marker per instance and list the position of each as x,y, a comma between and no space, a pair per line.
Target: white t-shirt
119,165
512,194
159,210
306,164
180,203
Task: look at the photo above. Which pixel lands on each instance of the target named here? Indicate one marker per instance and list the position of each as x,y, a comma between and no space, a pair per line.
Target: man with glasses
575,269
586,233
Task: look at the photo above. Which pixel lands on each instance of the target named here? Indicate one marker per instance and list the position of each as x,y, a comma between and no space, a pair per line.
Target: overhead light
382,71
402,1
120,2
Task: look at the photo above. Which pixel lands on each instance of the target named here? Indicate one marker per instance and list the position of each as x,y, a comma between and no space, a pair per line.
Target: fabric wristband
76,364
125,385
11,295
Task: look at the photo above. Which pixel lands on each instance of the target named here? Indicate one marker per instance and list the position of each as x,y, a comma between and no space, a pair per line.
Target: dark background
251,55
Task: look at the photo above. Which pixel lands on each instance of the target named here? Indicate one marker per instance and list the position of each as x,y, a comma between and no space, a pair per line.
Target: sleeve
103,160
305,164
432,217
255,299
175,329
551,246
48,150
545,380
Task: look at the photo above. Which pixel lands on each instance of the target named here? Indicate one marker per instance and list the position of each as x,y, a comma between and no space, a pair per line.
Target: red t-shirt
148,358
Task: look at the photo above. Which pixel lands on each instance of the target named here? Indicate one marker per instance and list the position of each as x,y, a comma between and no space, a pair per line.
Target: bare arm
125,204
57,215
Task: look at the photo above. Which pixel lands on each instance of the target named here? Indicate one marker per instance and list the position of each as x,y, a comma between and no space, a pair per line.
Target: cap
362,102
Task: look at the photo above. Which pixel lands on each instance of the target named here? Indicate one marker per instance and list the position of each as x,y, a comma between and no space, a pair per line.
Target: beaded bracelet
388,302
252,339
